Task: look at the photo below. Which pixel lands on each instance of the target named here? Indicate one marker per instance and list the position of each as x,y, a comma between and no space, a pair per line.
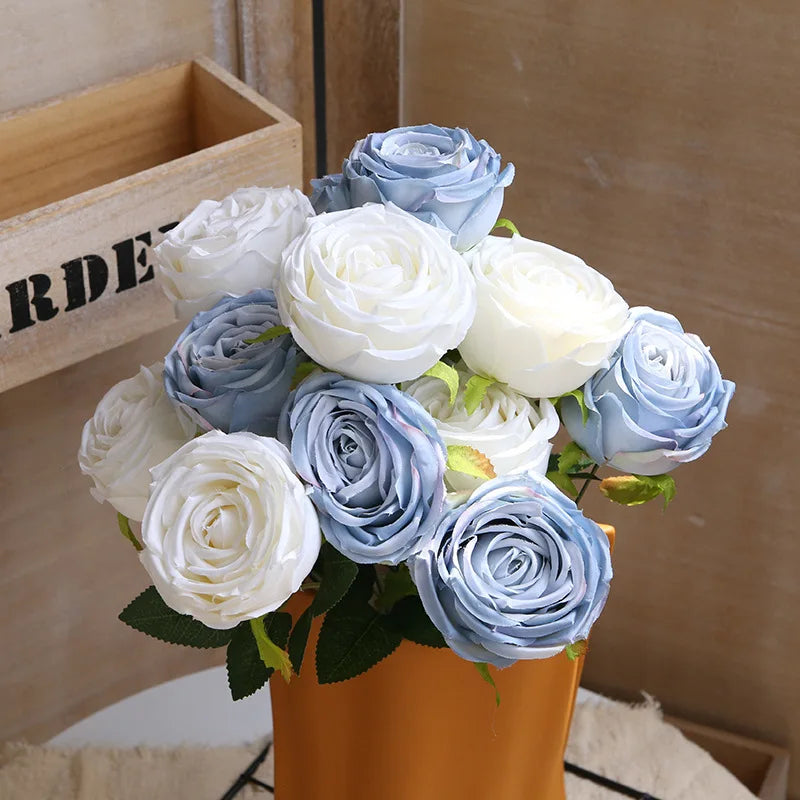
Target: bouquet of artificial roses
362,407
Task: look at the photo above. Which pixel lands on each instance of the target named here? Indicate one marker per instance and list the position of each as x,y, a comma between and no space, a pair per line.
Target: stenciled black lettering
21,302
146,239
126,265
97,270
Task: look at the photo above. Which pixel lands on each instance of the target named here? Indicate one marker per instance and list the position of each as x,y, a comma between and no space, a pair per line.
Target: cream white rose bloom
546,322
375,294
229,247
229,532
134,427
512,431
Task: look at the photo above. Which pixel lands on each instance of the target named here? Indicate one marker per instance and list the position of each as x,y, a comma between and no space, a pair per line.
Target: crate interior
91,139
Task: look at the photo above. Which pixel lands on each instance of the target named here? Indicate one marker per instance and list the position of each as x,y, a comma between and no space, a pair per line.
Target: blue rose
224,382
658,404
373,460
517,572
444,176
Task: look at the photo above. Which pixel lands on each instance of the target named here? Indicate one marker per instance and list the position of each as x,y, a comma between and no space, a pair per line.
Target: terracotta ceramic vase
422,724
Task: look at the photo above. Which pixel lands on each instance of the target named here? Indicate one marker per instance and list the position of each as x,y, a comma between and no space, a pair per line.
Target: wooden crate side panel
94,138
136,207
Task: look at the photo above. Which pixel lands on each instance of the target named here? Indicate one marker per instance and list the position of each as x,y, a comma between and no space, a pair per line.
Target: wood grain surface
115,165
67,572
661,142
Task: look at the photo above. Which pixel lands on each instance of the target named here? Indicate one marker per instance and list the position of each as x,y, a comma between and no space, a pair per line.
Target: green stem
586,483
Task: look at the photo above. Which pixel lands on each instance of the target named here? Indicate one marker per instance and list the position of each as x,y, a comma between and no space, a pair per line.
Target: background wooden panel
361,60
661,142
49,47
67,572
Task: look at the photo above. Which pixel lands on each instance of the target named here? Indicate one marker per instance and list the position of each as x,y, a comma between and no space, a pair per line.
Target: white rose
513,432
375,294
546,322
229,532
229,247
134,427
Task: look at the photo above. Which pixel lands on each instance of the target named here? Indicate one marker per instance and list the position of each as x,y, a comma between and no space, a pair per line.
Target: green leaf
247,672
578,395
299,639
272,654
576,650
470,461
302,371
338,574
476,391
396,585
563,482
506,223
410,618
354,636
270,333
149,614
125,529
573,458
444,372
483,671
633,490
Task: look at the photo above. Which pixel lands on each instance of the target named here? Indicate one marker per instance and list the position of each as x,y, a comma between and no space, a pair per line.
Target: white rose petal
513,432
134,428
546,322
375,294
229,247
229,532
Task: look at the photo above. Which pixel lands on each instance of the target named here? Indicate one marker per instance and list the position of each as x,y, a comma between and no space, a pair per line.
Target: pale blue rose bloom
444,176
658,404
373,460
517,572
222,381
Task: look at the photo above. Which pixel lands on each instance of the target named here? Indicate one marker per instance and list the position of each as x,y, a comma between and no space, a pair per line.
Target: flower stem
586,483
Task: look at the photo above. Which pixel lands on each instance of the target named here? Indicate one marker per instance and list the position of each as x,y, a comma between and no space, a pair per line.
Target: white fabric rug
629,744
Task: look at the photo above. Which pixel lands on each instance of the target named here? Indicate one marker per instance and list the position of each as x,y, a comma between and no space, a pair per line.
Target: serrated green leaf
444,372
576,650
572,458
149,614
483,671
633,490
273,655
302,371
409,617
470,461
354,636
563,482
396,585
270,333
475,391
125,529
247,673
338,574
298,640
578,395
506,223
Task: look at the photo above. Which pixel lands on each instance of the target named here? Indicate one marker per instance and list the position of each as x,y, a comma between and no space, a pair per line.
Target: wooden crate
91,181
762,768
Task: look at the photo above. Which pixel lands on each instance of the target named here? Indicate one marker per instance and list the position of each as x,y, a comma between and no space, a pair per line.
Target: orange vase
422,724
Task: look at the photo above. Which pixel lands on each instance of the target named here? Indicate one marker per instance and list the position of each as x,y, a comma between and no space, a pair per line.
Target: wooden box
762,768
90,182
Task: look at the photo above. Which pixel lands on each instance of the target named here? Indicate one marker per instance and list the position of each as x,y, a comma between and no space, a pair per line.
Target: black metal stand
247,777
601,780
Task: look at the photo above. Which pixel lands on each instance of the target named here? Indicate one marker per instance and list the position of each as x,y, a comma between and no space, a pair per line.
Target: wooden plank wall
66,572
661,142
